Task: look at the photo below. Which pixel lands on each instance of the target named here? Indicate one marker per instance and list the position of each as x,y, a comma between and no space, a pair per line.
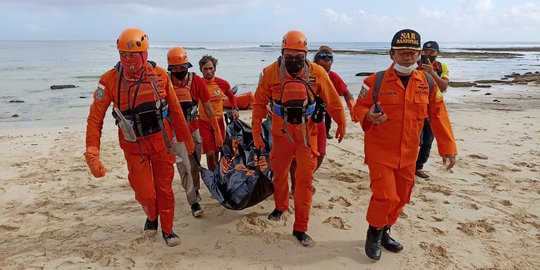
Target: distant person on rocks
439,72
392,106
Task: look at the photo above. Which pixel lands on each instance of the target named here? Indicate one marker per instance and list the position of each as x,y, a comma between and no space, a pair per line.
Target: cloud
337,17
431,14
477,7
526,13
32,27
189,8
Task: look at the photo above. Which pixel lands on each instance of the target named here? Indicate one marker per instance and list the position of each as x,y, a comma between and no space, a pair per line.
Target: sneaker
150,227
328,136
275,215
421,174
196,210
304,239
171,239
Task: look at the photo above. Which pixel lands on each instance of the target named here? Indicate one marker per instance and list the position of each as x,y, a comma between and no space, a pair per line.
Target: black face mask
179,75
293,67
432,58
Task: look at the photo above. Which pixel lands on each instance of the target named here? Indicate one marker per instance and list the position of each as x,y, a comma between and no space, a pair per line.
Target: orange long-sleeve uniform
283,150
149,162
391,148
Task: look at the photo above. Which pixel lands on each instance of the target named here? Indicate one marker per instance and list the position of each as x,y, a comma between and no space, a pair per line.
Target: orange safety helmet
295,40
178,56
132,40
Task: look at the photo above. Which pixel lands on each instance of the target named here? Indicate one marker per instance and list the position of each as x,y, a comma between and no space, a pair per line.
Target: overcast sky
268,20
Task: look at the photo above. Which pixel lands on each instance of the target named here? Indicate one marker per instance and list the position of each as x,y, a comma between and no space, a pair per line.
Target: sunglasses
326,56
296,58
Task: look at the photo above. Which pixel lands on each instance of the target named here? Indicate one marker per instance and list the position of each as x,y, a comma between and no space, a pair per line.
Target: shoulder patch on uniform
312,80
364,90
99,94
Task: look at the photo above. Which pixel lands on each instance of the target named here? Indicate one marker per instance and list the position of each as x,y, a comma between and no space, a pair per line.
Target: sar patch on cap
406,39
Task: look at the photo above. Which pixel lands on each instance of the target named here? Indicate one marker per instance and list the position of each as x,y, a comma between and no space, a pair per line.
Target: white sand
483,215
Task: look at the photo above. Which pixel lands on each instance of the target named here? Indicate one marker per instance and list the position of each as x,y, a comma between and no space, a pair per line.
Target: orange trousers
281,156
391,190
151,178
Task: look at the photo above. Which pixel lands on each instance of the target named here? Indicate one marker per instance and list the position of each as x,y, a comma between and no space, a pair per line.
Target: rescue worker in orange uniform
291,84
191,93
392,120
146,111
217,88
325,58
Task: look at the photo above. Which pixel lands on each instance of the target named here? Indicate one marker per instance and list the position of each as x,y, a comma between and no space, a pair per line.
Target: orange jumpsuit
391,148
283,150
150,167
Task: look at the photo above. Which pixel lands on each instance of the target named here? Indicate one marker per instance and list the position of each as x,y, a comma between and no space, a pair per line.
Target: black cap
431,45
186,65
406,39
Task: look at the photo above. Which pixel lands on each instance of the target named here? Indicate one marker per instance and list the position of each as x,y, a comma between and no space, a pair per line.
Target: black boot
304,238
388,242
373,243
150,227
275,215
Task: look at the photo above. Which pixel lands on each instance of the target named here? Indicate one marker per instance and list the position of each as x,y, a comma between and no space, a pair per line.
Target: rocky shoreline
514,78
467,53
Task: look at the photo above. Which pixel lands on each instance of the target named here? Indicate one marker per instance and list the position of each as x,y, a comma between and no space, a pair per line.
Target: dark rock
15,115
461,84
489,81
361,74
83,97
496,100
483,85
16,101
62,86
475,90
488,94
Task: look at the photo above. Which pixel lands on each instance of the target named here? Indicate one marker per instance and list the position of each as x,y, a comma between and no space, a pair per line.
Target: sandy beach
482,215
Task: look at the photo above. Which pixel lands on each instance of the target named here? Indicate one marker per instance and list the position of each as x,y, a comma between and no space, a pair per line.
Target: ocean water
29,68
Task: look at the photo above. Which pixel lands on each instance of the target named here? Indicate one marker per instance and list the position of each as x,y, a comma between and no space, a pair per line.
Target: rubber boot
388,242
373,242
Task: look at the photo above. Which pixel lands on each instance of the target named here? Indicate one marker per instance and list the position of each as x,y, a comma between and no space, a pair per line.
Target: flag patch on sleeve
364,90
